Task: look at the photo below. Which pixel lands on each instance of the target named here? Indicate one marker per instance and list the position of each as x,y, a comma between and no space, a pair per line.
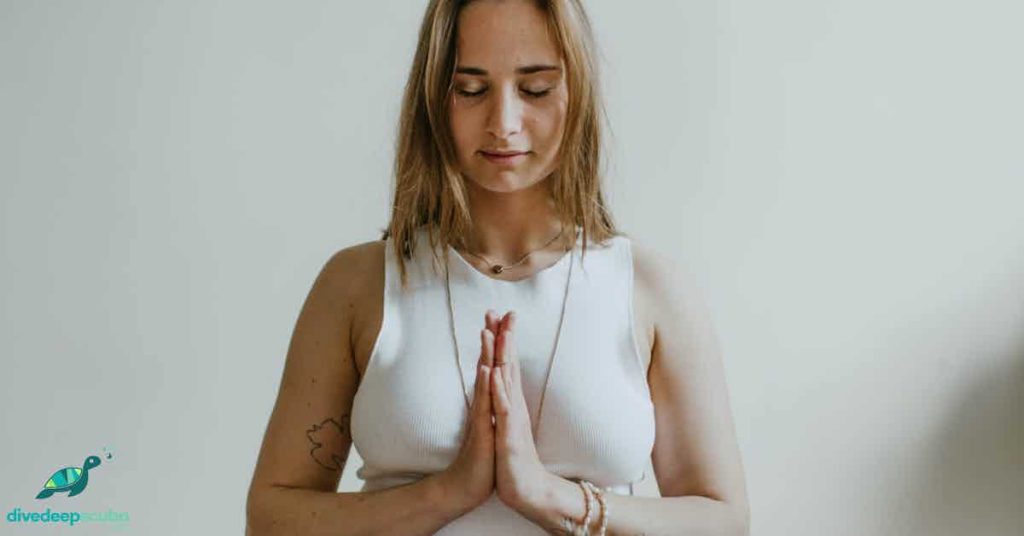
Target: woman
602,359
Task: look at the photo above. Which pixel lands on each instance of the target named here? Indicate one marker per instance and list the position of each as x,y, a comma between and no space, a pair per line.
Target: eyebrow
526,69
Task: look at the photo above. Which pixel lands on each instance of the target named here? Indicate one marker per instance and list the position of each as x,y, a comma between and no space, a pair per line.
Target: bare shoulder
361,266
666,287
358,260
350,274
350,270
656,270
648,263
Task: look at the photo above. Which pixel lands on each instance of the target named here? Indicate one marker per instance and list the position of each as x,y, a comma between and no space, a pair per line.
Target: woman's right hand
470,477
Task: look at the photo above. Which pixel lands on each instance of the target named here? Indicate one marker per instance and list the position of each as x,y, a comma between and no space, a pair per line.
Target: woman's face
508,95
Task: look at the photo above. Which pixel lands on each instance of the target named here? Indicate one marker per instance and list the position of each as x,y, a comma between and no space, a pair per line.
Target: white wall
842,177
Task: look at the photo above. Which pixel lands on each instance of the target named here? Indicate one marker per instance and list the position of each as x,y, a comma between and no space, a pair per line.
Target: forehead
501,35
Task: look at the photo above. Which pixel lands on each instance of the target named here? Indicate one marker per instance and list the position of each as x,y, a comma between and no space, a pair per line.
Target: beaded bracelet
604,506
584,529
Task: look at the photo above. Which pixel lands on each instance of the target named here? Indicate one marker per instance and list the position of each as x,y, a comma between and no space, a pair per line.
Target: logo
71,481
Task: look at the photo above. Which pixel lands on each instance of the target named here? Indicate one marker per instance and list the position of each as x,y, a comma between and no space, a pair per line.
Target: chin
503,181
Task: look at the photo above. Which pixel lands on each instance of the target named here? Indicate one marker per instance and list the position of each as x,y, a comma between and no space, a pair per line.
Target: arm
695,515
307,441
696,457
417,508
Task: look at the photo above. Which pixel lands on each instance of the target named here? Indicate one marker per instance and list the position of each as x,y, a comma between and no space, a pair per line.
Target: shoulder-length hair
429,189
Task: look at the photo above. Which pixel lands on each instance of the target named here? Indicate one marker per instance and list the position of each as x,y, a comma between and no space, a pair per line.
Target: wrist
556,505
447,497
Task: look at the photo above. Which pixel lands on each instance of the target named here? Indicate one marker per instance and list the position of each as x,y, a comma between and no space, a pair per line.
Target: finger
513,369
505,319
488,405
483,381
487,347
487,362
501,405
506,367
494,325
485,393
482,403
499,347
490,320
504,348
482,362
512,348
482,423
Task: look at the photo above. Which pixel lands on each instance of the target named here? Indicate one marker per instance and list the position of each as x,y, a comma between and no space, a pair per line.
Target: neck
509,225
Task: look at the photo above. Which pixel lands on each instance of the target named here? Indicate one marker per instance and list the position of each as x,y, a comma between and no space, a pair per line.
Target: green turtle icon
69,478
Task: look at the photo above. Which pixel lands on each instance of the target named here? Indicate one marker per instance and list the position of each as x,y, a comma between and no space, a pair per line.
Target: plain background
843,179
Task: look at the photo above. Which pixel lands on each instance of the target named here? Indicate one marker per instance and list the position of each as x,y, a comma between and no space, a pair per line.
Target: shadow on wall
972,474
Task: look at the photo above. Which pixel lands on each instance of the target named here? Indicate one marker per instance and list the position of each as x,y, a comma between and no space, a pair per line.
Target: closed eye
534,94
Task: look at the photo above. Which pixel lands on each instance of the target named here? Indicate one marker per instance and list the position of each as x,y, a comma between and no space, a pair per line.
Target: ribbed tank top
409,413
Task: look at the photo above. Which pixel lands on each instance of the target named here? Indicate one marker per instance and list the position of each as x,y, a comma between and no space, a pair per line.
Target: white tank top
597,421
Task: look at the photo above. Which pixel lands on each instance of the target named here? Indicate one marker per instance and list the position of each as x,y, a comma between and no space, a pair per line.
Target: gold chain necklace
498,268
554,348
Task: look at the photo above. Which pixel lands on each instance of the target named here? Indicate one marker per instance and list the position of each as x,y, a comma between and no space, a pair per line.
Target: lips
503,153
505,160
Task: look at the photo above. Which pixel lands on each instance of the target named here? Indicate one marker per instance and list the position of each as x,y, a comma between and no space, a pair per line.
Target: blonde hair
429,190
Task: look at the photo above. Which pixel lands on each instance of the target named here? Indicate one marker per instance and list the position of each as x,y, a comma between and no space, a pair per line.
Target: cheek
554,111
549,130
462,131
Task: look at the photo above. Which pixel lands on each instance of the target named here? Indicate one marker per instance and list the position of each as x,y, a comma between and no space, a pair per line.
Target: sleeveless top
409,414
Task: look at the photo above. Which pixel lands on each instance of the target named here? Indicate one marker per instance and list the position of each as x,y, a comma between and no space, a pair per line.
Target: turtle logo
72,479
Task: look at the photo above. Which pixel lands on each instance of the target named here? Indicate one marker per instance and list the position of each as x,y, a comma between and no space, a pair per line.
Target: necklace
498,268
554,348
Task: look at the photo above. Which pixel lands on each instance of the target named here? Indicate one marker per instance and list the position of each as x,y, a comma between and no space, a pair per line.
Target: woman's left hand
520,477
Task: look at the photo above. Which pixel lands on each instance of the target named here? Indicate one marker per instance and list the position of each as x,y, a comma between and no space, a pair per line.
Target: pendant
497,268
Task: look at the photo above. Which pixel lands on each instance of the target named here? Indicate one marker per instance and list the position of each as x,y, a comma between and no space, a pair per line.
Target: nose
505,115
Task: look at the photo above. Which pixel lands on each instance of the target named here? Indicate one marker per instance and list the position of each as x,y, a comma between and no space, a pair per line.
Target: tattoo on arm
330,432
